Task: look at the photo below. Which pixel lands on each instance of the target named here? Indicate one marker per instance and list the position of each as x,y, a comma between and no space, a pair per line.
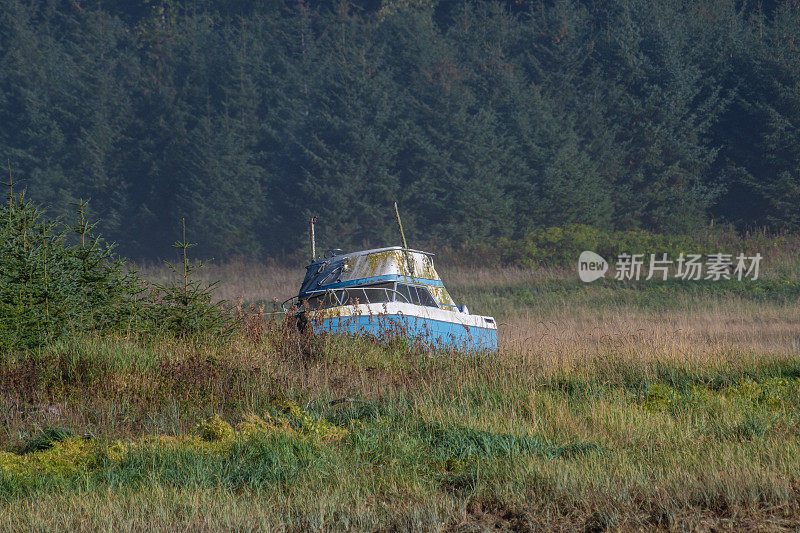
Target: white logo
591,266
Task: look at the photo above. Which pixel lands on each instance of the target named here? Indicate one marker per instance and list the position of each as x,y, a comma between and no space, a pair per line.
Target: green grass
578,425
548,294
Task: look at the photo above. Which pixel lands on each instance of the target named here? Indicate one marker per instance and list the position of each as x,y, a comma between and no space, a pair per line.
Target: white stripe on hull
409,310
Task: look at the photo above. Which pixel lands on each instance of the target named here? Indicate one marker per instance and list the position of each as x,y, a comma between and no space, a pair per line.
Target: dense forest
481,119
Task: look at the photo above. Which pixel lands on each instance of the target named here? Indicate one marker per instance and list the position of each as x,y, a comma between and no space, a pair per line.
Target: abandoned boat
388,291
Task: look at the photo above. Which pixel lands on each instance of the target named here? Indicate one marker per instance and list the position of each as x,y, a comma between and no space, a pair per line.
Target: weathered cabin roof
375,266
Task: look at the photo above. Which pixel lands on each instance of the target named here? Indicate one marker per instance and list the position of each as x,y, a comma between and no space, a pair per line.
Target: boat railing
387,294
348,296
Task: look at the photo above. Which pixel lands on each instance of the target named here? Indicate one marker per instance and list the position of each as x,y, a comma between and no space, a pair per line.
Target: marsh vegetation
608,405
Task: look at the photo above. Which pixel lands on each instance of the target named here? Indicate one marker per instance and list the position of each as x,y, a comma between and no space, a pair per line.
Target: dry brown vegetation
606,407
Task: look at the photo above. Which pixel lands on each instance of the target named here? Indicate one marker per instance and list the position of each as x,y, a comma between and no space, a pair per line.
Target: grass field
608,406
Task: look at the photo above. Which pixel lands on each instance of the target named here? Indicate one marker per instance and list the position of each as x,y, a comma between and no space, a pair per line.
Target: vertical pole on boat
313,240
410,263
399,223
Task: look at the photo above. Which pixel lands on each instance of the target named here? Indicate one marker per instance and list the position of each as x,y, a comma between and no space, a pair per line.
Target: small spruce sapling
185,306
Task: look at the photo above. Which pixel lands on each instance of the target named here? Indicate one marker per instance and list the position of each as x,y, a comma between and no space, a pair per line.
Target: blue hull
433,333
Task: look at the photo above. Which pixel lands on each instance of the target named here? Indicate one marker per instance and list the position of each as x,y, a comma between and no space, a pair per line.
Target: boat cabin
375,276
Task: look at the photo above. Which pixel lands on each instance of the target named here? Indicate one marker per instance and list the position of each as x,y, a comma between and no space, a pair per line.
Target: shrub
57,280
215,429
561,245
185,306
45,439
254,424
660,397
49,286
309,425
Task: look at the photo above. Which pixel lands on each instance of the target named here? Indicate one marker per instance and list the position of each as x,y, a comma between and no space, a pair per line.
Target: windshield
379,293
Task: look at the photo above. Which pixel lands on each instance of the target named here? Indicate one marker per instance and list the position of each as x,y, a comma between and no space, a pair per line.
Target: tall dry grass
674,411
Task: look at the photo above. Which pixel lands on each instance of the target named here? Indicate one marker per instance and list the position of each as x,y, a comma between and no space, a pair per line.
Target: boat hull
433,328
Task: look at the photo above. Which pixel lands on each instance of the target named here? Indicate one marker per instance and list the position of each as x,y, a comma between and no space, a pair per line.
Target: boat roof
377,265
349,255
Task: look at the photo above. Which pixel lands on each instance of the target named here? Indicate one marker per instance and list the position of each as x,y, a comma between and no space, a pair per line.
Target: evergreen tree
483,119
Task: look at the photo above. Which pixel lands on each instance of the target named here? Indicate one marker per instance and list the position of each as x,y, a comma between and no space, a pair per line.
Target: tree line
484,120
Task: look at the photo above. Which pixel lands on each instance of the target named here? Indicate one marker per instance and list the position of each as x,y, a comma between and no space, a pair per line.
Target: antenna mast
313,240
399,223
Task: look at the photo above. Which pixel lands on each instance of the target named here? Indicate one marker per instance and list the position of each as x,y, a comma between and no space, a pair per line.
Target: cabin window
355,296
324,300
425,297
380,293
416,295
405,295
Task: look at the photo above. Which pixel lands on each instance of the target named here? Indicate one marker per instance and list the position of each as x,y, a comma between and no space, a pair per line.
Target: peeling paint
391,262
369,264
387,265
